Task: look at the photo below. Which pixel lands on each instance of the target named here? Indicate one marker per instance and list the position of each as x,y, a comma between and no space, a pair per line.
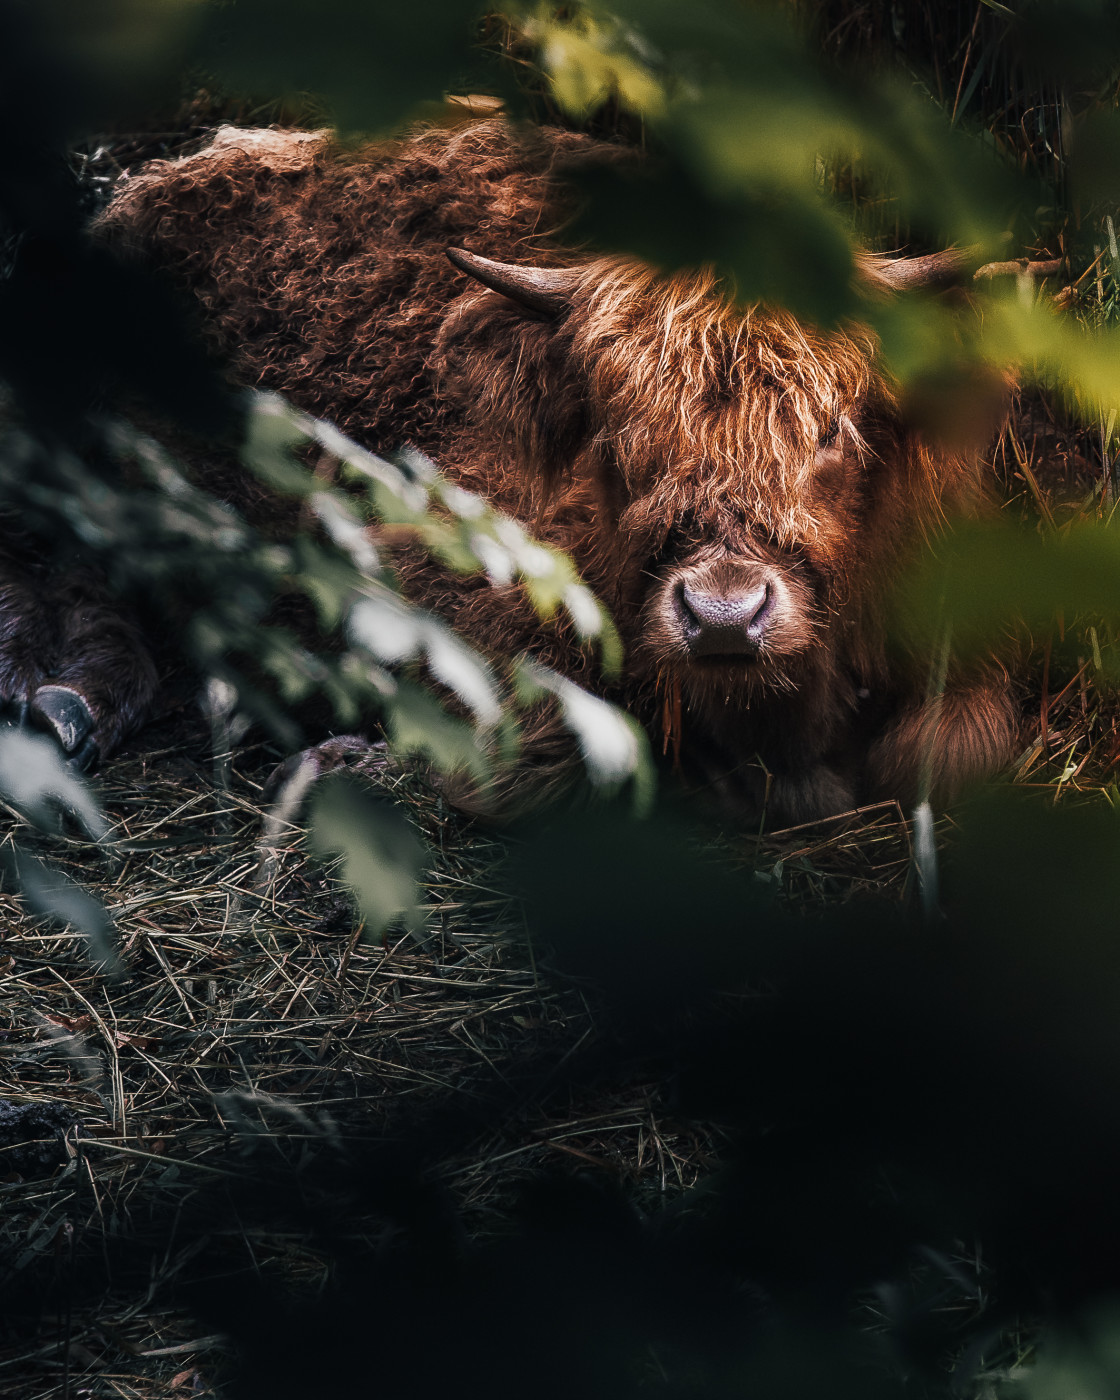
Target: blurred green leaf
1075,1364
124,57
36,779
614,746
370,63
381,854
53,895
418,726
990,579
273,432
1070,41
591,58
1095,157
748,122
783,247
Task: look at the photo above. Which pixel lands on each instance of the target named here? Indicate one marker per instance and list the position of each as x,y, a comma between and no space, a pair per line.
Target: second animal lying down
737,487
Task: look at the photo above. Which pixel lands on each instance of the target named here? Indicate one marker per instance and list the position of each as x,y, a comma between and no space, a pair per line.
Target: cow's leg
95,680
27,632
293,779
812,794
547,767
289,787
964,736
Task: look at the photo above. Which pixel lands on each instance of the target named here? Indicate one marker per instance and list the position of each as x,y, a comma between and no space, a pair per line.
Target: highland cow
738,487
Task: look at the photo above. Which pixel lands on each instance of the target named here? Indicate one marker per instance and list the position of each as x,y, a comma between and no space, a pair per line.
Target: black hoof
64,715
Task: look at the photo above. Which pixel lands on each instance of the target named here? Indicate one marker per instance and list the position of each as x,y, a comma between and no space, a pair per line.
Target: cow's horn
546,290
934,270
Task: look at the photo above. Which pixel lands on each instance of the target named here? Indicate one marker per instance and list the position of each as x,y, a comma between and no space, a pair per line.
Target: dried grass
256,1025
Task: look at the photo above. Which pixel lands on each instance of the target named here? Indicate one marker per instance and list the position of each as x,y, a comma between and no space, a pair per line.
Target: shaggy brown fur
718,473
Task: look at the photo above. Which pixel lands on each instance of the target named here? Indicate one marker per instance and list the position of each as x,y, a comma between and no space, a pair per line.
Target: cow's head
755,478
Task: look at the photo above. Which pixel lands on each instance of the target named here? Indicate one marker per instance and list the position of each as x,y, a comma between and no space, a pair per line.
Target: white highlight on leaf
269,404
585,611
925,860
35,778
410,493
394,632
535,562
510,533
418,466
386,627
221,697
610,746
532,559
465,504
345,530
464,672
333,440
495,559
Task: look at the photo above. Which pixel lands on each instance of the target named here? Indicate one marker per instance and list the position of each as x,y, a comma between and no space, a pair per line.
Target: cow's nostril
719,624
762,603
686,599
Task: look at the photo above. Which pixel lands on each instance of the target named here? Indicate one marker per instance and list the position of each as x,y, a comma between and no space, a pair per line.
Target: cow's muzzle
732,623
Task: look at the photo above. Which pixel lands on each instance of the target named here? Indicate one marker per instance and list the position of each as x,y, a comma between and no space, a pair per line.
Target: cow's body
735,486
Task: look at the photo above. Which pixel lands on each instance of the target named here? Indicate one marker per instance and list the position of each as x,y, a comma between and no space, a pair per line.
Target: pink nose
725,624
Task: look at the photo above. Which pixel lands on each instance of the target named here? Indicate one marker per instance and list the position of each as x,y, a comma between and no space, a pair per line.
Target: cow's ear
546,291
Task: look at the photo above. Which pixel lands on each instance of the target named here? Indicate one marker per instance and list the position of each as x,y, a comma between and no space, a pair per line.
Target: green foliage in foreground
166,536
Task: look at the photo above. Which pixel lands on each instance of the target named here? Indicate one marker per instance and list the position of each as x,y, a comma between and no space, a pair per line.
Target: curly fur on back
662,434
322,275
